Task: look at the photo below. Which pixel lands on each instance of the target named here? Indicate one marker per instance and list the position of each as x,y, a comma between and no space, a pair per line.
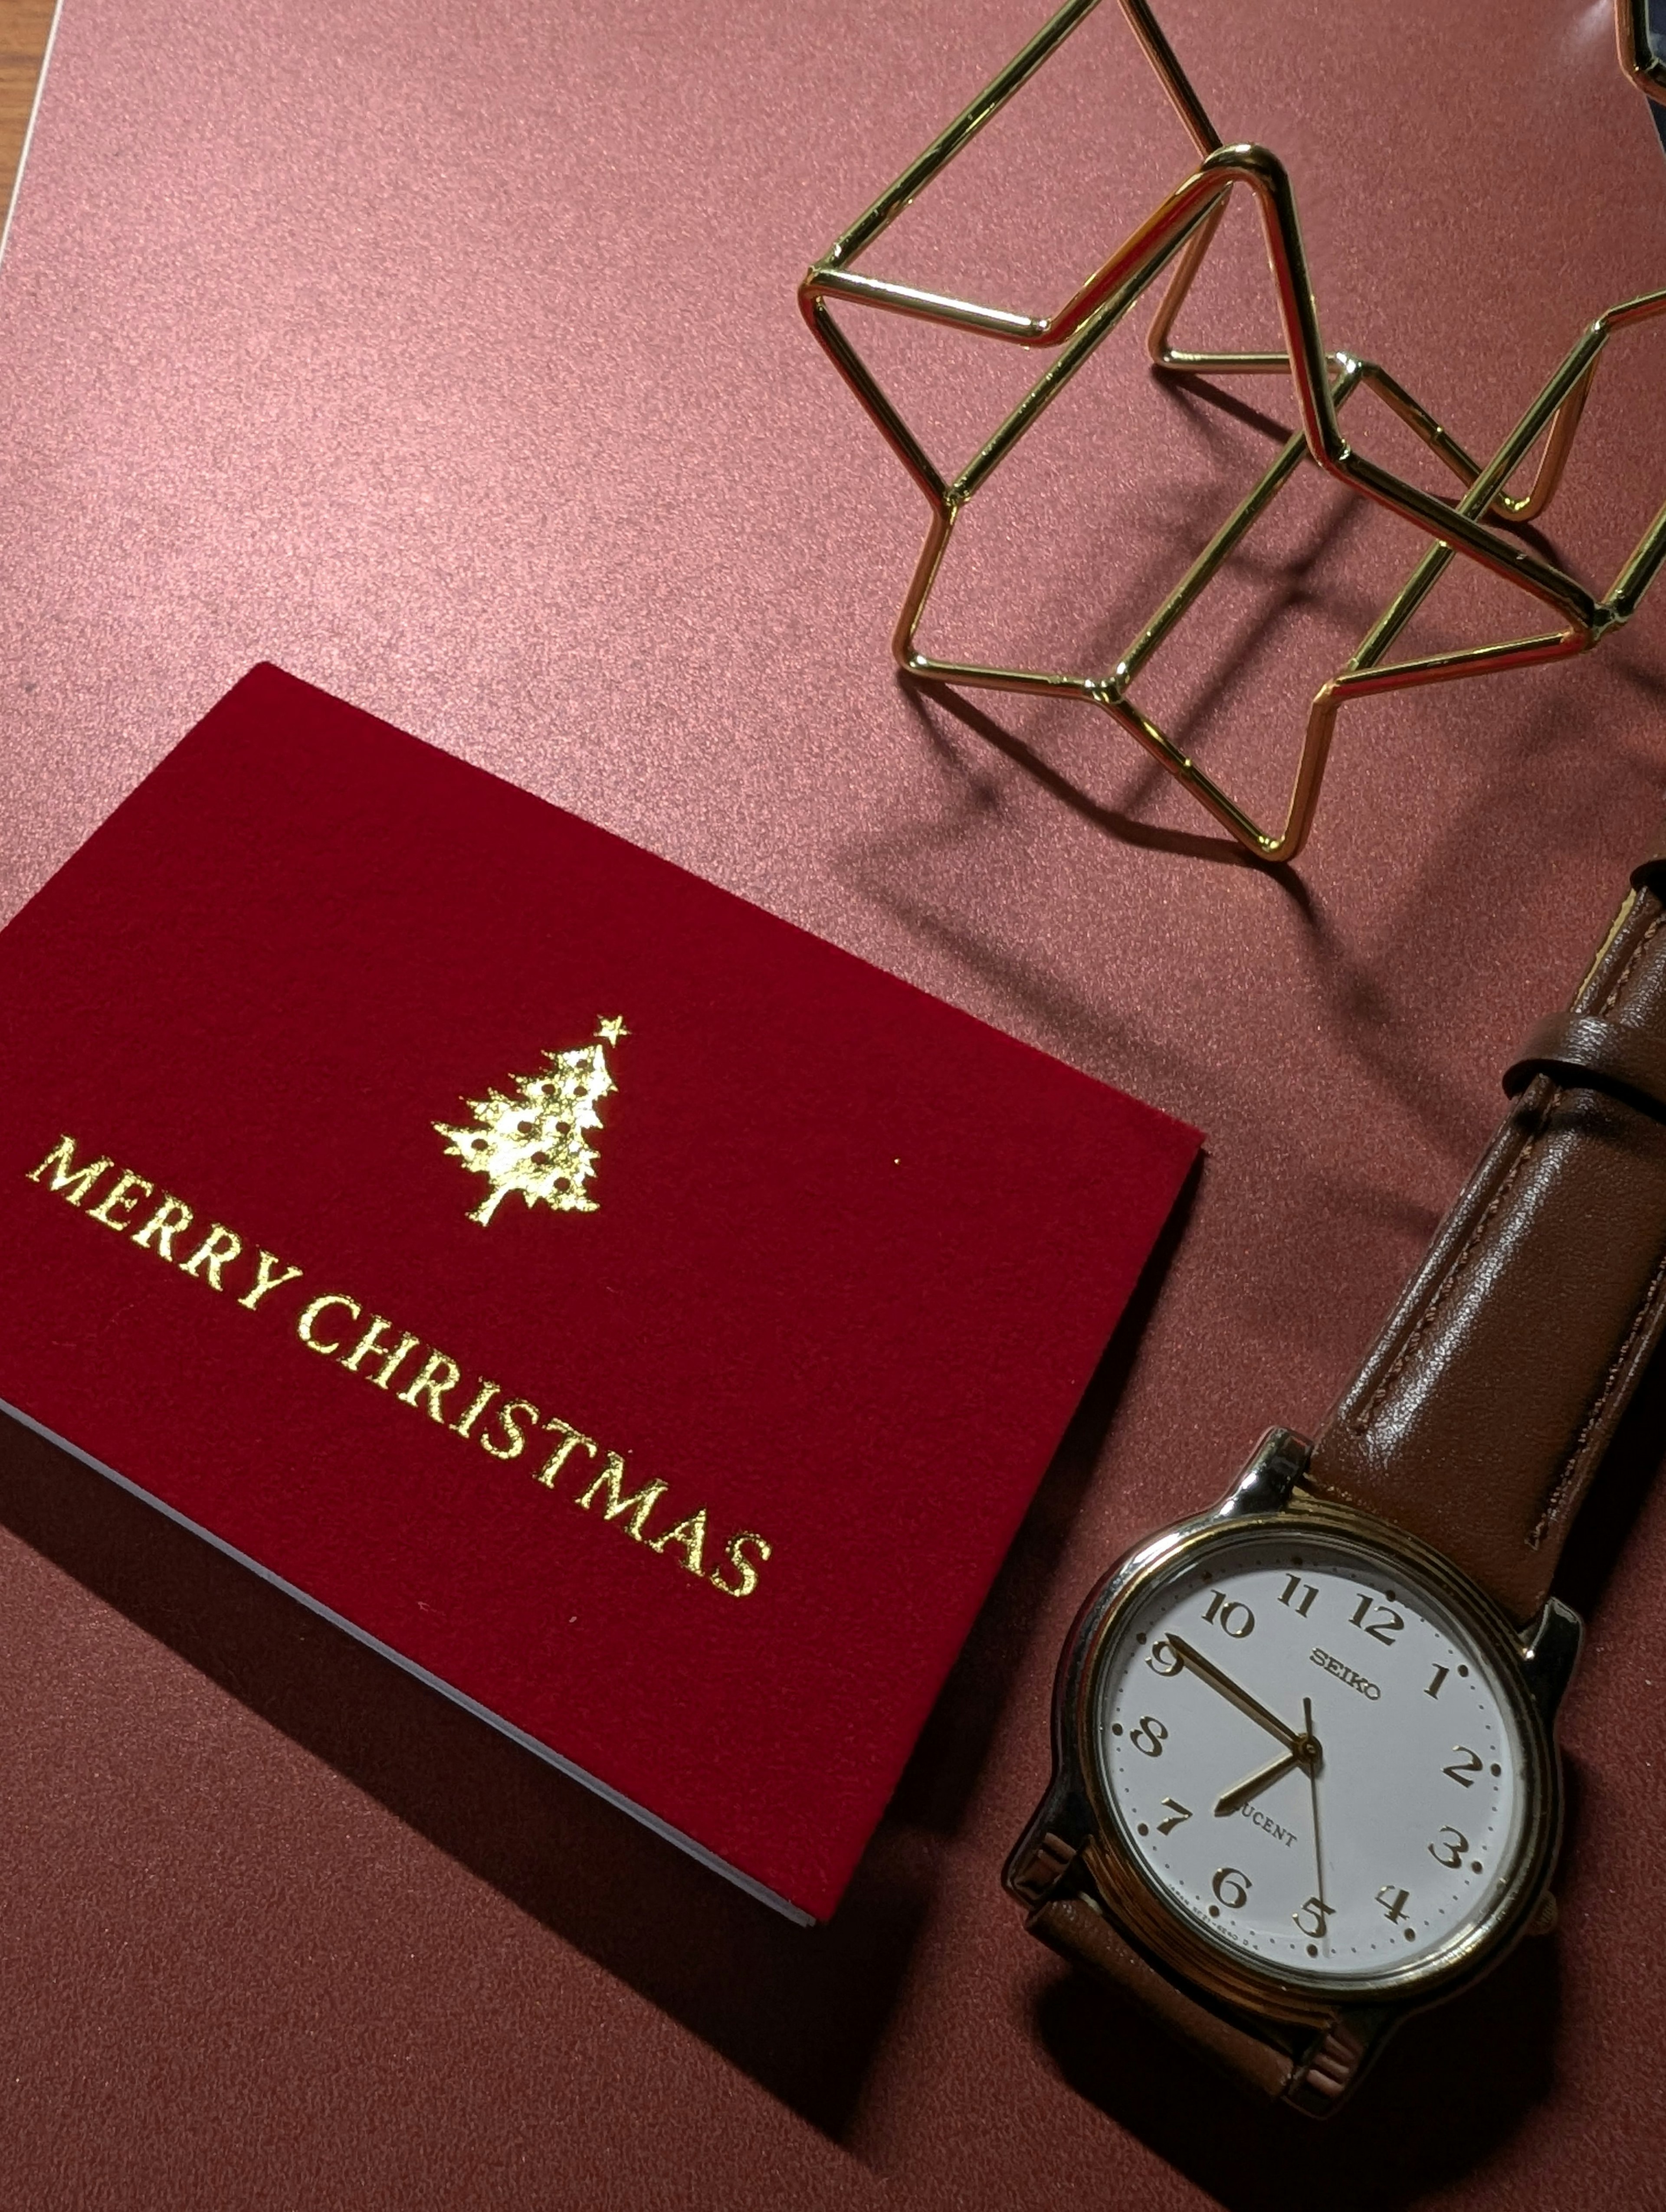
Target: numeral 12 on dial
1385,1629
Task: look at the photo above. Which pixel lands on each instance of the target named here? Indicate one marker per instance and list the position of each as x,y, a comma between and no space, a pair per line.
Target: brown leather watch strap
1481,1414
1314,2072
1584,1049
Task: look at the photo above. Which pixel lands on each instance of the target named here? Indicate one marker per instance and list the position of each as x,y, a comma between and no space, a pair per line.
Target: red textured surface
850,1263
449,357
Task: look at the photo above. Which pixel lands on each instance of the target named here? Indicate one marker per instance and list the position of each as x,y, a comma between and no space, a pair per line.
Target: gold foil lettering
570,1440
513,1441
304,1326
483,1398
508,1429
123,1192
75,1183
742,1566
690,1534
217,1250
172,1219
638,1505
428,1385
369,1343
266,1278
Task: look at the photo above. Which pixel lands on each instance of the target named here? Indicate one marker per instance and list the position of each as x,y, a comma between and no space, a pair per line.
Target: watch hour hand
1227,1688
1257,1782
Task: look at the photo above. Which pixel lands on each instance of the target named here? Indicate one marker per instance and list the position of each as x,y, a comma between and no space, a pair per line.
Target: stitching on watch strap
1362,1420
1624,975
1567,1480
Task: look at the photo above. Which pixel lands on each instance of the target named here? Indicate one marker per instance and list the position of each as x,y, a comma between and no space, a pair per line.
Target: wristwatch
1305,1780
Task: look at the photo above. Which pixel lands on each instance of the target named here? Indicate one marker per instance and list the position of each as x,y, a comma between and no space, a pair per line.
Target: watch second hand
1229,1690
1318,1856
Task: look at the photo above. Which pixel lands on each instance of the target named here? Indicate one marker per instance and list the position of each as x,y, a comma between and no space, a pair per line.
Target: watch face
1310,1754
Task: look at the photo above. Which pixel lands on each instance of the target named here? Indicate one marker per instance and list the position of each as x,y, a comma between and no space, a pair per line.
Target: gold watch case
1533,1667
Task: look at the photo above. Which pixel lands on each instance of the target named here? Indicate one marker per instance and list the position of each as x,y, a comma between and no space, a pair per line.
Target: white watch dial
1309,1754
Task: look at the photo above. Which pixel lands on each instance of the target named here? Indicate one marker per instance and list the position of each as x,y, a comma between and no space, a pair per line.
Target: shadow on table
800,2010
1453,2086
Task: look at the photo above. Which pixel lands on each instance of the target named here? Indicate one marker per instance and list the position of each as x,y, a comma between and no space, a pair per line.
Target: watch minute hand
1230,1690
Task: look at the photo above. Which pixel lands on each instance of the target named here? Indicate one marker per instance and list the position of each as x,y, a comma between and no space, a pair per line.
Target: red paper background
449,357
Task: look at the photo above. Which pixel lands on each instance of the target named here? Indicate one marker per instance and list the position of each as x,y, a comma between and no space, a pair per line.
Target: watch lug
1338,2059
1037,1867
1275,1466
1550,1652
1049,1847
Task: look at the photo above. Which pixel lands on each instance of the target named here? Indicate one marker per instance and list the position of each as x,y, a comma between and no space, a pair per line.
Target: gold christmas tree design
534,1139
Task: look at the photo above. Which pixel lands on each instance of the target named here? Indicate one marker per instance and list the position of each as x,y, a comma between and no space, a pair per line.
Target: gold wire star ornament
536,1139
1637,57
1173,241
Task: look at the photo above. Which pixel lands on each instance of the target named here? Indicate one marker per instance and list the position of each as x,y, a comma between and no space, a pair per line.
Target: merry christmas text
339,1328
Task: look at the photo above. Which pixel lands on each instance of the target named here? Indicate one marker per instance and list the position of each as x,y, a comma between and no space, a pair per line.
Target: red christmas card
641,1319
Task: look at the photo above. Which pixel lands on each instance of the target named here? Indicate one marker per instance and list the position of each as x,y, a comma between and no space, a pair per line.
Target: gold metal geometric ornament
535,1139
1172,242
